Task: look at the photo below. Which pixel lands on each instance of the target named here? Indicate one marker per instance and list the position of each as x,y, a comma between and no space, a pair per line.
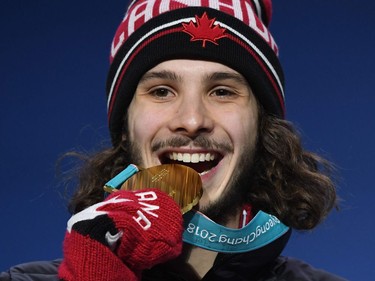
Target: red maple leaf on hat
204,30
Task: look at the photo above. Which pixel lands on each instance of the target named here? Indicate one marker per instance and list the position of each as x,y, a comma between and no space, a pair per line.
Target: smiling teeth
191,157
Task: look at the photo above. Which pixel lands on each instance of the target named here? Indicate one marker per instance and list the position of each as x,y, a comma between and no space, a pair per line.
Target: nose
192,117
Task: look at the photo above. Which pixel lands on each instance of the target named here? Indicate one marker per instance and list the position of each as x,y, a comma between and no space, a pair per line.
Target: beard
236,193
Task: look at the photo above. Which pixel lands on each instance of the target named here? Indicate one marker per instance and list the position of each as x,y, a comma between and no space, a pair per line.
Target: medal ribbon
201,231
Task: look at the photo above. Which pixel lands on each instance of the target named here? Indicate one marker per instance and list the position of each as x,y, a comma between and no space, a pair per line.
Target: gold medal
180,182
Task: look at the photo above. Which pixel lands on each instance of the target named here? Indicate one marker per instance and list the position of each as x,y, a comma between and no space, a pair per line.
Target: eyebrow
218,76
164,74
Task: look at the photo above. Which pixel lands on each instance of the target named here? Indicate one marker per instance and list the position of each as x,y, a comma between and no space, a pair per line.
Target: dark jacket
232,267
262,264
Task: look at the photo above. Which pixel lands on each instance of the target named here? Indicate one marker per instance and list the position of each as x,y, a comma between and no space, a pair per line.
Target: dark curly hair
293,184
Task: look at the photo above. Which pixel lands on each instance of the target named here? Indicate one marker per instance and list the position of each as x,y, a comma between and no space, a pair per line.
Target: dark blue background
53,65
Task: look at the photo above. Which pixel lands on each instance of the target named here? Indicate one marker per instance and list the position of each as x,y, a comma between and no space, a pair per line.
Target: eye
223,93
161,93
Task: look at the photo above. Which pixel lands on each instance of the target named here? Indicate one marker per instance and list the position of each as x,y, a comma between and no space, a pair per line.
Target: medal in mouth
180,182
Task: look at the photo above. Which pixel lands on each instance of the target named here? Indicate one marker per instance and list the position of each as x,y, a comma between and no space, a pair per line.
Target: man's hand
117,238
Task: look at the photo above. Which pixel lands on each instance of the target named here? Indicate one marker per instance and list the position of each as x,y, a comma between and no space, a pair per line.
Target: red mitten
117,238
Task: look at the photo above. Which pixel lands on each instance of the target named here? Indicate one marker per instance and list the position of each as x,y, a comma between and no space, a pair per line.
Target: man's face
197,113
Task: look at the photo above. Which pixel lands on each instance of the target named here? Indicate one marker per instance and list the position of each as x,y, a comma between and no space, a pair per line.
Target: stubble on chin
235,195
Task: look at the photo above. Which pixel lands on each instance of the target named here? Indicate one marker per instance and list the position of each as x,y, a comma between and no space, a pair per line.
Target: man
196,83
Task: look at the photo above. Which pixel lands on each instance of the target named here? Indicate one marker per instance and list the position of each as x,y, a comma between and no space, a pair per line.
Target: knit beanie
230,32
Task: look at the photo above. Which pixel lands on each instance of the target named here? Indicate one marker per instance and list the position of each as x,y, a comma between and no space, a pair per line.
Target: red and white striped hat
231,32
